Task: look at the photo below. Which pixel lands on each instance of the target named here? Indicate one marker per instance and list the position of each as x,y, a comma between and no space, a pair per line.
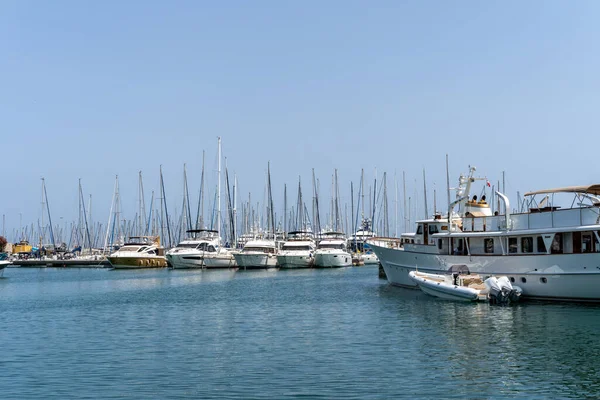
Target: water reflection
528,349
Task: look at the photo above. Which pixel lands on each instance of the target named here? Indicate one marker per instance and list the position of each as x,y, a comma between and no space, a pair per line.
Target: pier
72,263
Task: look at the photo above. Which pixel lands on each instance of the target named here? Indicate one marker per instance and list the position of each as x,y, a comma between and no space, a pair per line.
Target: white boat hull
221,260
332,259
369,259
255,261
552,277
185,261
295,261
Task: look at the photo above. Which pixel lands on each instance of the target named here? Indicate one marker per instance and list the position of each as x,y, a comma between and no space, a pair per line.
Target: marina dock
73,263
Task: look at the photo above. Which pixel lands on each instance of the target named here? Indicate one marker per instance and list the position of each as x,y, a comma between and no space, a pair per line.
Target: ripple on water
280,334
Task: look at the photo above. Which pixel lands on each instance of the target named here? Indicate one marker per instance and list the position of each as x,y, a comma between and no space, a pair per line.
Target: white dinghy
467,287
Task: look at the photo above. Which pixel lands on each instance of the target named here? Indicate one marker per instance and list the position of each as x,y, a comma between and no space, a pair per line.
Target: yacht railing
552,218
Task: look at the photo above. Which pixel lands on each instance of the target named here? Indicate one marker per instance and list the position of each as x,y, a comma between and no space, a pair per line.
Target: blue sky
94,89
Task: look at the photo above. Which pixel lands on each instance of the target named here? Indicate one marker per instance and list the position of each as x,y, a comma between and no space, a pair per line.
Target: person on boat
482,201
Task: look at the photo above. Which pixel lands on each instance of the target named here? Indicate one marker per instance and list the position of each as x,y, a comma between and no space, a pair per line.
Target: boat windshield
130,248
187,245
259,249
331,246
295,248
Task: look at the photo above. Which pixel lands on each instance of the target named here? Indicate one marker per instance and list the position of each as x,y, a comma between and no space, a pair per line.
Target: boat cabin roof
589,189
300,233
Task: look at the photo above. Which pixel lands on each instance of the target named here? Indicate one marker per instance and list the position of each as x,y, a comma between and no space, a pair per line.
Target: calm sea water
342,333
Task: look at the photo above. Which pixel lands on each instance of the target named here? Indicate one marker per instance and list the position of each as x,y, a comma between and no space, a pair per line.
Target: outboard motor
514,292
494,289
501,291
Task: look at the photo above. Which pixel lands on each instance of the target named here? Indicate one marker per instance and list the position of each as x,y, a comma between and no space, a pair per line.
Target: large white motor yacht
549,251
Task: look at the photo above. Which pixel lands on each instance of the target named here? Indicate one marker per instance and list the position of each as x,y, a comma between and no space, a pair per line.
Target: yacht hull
295,261
255,261
332,260
552,276
222,260
137,262
185,261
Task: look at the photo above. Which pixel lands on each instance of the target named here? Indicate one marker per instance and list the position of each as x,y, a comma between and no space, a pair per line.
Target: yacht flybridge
550,251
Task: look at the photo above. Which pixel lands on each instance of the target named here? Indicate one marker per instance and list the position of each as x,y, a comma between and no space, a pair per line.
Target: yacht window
129,248
296,248
187,245
557,244
331,246
256,249
541,246
420,230
152,252
527,244
576,242
488,245
202,247
211,249
512,245
440,244
459,250
433,229
586,243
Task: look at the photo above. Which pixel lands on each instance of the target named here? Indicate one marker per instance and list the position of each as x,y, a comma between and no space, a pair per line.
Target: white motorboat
257,254
297,251
201,250
139,252
4,262
361,251
332,251
463,287
551,252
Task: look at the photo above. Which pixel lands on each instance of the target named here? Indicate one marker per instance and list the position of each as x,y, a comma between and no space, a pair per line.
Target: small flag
488,183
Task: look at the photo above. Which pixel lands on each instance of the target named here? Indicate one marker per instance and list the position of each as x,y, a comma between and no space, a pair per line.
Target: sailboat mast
285,227
235,233
425,194
200,211
448,191
362,190
110,215
49,217
219,191
270,194
42,227
405,213
395,204
164,209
